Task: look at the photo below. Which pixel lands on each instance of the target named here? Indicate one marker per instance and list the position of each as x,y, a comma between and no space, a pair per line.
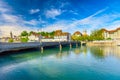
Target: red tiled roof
77,33
35,34
60,33
111,31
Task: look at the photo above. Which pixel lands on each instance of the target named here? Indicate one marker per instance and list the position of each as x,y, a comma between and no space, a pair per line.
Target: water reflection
95,51
56,64
104,51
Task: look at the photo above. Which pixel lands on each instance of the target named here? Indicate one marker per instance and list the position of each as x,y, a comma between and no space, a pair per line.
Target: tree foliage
48,34
24,39
10,40
24,33
97,35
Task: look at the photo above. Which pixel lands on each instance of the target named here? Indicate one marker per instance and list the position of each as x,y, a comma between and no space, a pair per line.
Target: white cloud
33,11
16,30
74,12
53,13
3,7
10,18
31,22
96,21
64,4
14,23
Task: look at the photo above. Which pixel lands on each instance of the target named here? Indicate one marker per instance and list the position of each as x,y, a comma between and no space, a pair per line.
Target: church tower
84,33
11,35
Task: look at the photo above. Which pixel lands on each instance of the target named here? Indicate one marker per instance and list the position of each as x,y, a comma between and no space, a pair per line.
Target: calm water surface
82,63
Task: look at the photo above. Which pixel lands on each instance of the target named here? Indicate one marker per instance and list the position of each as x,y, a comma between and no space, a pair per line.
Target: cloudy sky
48,15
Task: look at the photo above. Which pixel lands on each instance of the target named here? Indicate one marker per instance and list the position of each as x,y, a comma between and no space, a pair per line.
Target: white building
34,37
62,36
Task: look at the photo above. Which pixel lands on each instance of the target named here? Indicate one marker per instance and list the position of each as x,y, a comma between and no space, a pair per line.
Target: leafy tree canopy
24,33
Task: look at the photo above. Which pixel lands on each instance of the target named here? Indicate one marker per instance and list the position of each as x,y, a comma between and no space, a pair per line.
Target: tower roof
77,33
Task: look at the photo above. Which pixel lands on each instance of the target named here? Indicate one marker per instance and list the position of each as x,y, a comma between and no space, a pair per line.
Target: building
84,33
4,39
62,36
13,37
77,33
58,36
113,34
34,36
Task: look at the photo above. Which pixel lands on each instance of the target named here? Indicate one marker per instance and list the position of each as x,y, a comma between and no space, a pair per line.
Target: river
81,63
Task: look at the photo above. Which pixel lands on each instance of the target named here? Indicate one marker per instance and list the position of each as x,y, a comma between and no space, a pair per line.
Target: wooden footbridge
20,46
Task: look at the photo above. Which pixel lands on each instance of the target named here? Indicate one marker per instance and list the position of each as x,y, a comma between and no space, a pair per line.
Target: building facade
113,34
34,37
62,36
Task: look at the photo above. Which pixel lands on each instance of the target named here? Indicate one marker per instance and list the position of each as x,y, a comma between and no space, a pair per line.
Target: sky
49,15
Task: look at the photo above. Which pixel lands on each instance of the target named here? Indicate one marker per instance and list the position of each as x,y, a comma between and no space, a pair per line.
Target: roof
60,33
104,29
35,34
111,31
77,33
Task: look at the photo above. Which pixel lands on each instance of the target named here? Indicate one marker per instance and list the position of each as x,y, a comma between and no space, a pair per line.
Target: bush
10,40
108,39
24,39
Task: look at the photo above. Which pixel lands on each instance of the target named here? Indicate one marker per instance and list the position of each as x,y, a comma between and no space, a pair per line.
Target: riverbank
20,46
103,43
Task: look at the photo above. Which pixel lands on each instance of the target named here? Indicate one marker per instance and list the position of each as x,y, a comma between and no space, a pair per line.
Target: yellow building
113,34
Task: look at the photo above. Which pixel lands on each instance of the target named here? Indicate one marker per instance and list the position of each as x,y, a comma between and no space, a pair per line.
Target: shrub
10,40
24,39
108,39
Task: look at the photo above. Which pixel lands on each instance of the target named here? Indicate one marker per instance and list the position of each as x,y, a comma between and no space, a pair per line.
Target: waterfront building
62,36
34,36
113,34
5,39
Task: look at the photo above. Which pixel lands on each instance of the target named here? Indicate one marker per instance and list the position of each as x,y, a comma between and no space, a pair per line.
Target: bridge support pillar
60,46
42,49
76,44
70,45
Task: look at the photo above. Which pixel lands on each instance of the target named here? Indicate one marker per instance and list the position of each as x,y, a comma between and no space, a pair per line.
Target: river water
81,63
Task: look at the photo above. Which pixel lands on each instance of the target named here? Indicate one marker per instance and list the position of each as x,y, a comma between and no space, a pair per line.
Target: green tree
97,35
108,39
84,38
75,38
24,36
24,33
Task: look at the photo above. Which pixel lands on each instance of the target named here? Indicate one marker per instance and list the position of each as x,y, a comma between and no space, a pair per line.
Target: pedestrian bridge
19,46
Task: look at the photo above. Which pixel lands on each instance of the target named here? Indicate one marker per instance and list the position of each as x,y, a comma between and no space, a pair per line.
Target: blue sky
49,15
